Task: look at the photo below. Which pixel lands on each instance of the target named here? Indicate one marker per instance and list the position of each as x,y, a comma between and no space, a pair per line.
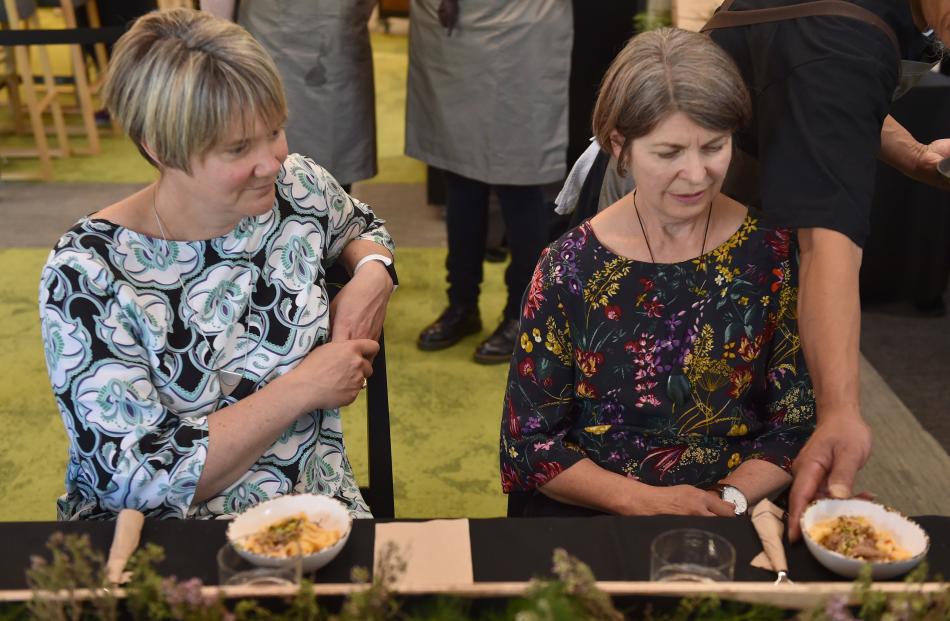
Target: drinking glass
691,555
944,167
233,569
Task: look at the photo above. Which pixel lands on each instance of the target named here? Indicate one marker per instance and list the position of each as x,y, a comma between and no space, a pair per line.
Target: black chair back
379,493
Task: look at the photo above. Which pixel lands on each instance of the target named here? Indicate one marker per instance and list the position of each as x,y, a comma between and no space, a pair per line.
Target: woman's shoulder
568,261
760,242
85,252
307,185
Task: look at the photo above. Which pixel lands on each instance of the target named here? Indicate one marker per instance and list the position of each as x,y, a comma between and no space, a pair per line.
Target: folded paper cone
768,523
128,527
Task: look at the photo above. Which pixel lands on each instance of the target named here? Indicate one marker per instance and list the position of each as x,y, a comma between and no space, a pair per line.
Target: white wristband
386,261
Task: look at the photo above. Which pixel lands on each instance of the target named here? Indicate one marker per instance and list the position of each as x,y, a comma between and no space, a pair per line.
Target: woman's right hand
332,374
683,500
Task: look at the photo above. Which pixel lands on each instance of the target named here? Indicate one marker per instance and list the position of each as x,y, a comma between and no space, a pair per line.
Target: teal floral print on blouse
666,373
132,373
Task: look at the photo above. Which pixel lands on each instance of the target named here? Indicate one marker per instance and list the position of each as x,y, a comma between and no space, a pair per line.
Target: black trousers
525,218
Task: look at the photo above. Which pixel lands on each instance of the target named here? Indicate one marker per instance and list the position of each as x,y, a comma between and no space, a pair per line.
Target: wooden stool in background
36,100
77,85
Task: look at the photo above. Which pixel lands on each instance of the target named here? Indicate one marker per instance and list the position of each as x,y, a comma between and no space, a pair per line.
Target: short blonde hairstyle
180,79
662,72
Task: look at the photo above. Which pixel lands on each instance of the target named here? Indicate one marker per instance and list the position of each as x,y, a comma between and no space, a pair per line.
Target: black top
821,88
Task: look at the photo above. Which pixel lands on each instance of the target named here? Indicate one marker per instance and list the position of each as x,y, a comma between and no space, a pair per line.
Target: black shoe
498,254
935,307
454,324
498,348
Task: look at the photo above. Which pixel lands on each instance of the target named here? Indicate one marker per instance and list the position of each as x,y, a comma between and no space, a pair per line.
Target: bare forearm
829,317
758,479
359,248
239,434
588,485
219,8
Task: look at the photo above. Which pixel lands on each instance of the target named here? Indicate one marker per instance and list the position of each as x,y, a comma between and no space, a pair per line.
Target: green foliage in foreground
74,565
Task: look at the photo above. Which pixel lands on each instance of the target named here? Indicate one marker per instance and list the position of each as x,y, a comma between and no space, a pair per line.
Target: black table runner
503,549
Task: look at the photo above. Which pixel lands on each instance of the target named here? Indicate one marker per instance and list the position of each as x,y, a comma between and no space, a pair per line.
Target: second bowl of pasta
305,528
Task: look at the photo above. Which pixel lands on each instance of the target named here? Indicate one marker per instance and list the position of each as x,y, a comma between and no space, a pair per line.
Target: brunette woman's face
679,167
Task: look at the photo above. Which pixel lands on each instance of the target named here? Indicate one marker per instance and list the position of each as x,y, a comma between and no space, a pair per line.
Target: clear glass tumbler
233,569
691,555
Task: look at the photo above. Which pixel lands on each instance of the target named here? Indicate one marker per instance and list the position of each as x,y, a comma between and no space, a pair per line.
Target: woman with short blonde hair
213,72
194,355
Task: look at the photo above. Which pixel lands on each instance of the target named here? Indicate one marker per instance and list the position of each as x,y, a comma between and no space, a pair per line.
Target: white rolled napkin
769,523
128,528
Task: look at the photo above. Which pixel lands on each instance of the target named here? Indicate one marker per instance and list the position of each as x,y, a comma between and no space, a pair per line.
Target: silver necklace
227,380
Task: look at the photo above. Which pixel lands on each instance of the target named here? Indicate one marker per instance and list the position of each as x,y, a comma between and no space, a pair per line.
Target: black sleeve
819,134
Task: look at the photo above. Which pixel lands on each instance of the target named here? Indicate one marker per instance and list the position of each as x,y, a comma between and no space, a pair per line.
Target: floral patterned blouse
129,360
669,373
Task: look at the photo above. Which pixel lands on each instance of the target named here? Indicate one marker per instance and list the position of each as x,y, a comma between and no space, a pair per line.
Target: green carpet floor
444,434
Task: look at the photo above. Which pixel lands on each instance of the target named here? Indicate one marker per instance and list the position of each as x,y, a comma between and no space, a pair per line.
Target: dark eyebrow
673,145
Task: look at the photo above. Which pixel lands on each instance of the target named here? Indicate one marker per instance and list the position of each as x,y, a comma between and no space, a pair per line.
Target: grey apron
322,50
489,102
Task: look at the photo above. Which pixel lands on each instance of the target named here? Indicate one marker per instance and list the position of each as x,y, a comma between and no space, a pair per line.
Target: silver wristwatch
733,495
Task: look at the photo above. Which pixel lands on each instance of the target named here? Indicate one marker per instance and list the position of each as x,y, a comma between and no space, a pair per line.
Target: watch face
733,495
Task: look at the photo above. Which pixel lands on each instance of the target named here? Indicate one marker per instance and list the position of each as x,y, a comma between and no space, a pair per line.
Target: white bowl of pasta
844,535
305,528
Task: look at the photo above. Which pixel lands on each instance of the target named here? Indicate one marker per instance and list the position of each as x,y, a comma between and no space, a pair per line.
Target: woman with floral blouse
658,369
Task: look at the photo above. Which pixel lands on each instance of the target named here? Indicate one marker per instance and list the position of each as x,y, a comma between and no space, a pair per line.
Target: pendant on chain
228,381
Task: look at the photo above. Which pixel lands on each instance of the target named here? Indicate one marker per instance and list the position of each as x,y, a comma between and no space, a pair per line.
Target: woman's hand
359,309
332,375
682,500
588,485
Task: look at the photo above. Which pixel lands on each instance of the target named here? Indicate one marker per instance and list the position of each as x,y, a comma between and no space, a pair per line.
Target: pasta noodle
291,536
854,536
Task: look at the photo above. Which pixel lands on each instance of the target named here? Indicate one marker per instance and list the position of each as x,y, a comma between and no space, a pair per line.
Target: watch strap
387,263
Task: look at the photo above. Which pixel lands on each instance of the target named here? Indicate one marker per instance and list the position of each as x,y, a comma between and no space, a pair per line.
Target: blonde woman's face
240,172
679,167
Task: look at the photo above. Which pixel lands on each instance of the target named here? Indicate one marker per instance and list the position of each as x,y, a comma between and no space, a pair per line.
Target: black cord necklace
702,250
678,385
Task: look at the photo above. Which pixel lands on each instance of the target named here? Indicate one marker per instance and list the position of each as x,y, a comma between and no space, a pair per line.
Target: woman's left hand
359,309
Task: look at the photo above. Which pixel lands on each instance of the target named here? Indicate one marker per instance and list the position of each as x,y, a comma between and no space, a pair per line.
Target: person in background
821,89
487,103
195,358
322,50
658,367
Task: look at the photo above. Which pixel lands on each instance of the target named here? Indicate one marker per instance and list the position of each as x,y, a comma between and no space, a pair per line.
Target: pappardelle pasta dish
854,536
289,537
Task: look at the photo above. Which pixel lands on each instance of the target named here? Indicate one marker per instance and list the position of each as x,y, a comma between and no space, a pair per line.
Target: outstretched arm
830,326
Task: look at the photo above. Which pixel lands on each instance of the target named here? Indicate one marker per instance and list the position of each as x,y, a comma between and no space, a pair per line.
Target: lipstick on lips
689,199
